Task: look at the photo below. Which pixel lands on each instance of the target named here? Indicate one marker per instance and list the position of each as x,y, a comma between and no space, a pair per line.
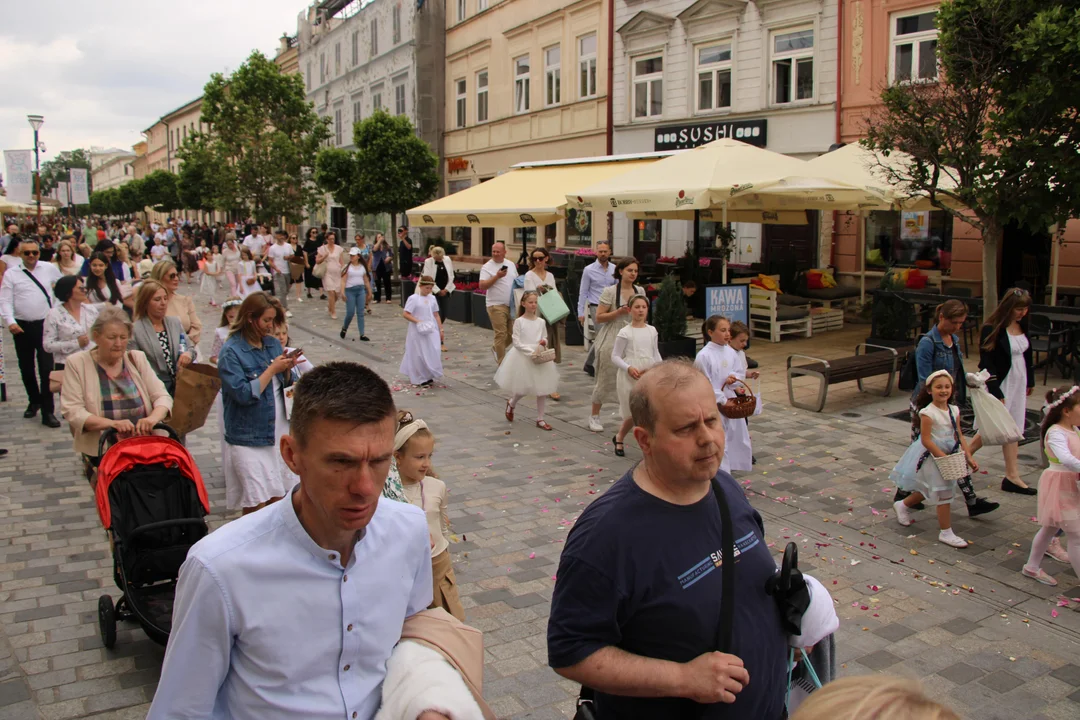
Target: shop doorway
1025,260
648,240
792,243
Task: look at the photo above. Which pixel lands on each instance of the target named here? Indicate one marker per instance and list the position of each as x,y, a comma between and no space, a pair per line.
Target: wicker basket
740,406
543,356
952,467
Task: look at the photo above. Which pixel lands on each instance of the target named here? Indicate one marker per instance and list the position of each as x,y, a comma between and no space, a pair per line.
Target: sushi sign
680,137
730,301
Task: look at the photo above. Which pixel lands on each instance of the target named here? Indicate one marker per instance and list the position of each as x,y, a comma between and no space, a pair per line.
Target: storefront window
909,239
524,235
706,237
578,228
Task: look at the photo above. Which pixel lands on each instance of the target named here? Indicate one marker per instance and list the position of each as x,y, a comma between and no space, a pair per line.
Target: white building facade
110,168
762,71
357,57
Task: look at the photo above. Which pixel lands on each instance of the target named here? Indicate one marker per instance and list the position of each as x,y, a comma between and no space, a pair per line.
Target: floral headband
1050,406
231,304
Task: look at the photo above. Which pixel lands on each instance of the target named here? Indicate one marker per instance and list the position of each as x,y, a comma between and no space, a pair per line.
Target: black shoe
365,338
3,452
619,450
753,460
981,507
322,297
427,383
342,333
751,364
1009,486
49,420
901,494
31,411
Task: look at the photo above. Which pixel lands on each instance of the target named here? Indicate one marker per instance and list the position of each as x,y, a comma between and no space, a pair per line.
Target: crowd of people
336,482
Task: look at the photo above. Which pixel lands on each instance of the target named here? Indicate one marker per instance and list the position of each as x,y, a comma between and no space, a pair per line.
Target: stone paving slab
991,649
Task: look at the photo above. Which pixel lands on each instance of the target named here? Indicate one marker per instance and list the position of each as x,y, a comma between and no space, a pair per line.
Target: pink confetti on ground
1053,613
532,556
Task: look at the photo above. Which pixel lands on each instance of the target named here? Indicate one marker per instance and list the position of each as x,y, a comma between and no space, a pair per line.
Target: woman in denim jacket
254,373
939,349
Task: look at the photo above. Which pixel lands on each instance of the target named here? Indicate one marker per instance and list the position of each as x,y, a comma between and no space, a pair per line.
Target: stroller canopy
140,451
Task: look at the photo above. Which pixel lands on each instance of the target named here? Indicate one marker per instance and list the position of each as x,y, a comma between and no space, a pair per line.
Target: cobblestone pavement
979,635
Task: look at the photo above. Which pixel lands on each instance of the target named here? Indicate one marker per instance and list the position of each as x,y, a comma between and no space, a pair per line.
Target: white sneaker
1039,575
903,515
300,300
951,539
594,423
288,314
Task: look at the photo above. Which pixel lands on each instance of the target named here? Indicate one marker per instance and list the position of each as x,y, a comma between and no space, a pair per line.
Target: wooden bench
873,360
771,318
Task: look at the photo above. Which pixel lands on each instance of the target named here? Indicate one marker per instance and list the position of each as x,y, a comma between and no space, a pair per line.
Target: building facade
111,170
889,41
762,71
139,163
526,81
288,55
357,58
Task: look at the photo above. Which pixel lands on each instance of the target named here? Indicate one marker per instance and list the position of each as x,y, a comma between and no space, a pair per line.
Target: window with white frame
376,98
338,125
793,65
552,76
396,19
914,47
648,86
399,97
482,96
374,37
587,66
357,108
337,59
461,10
356,48
460,100
521,84
714,77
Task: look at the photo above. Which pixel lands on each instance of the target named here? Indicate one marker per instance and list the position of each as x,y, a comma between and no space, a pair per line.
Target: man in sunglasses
25,299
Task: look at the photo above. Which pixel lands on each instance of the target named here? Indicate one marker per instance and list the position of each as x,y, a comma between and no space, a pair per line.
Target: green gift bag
552,307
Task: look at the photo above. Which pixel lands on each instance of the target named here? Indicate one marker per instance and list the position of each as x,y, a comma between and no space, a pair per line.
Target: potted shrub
408,287
479,308
459,308
669,319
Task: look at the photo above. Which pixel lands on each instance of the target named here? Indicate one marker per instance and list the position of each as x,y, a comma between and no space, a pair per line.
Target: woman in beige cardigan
181,307
110,387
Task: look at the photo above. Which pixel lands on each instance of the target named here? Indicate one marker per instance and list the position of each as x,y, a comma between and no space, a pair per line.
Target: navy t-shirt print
643,575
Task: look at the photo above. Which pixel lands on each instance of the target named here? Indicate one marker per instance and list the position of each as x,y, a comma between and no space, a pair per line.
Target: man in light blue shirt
293,611
594,278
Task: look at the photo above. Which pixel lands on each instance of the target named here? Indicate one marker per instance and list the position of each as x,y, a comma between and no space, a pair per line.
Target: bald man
636,611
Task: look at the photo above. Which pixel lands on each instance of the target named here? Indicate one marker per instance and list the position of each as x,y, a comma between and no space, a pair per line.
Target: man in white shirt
279,254
497,278
256,242
595,277
293,611
25,299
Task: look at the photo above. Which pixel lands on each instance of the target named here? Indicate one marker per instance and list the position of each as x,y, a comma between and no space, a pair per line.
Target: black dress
311,247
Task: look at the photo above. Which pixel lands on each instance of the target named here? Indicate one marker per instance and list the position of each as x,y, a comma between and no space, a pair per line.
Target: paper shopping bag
196,387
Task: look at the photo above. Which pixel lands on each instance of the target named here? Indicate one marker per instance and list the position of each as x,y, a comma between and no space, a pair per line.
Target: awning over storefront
527,195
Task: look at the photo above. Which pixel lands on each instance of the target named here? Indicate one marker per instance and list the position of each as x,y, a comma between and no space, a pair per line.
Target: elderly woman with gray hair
440,267
110,387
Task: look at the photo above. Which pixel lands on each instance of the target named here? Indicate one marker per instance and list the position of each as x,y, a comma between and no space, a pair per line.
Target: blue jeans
354,304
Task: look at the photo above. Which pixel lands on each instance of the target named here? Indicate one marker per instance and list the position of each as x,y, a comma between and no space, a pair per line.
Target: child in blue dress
916,471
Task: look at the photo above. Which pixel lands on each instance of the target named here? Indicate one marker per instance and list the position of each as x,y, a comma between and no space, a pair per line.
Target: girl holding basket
528,367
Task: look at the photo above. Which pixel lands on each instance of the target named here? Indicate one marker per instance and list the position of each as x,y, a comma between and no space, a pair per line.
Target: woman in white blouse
69,261
542,281
441,268
67,326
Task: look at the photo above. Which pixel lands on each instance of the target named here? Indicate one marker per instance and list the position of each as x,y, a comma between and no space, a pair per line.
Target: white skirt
423,358
738,453
254,475
519,375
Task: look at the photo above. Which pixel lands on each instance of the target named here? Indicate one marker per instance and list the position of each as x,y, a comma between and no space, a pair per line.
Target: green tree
202,183
105,202
1003,123
158,190
390,171
129,198
56,170
669,313
266,134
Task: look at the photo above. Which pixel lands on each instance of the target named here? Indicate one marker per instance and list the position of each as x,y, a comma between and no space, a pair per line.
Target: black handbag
909,373
585,702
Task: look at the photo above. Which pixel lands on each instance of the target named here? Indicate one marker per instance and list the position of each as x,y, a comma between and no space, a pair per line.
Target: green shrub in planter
669,319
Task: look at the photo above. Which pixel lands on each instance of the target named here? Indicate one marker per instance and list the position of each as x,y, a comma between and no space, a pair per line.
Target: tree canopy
390,171
1003,122
158,190
263,139
56,170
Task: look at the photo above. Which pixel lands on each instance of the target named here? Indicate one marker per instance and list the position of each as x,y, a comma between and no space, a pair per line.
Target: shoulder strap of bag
727,569
48,297
956,430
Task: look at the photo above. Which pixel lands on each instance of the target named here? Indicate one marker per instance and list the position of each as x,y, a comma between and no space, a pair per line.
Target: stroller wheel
107,621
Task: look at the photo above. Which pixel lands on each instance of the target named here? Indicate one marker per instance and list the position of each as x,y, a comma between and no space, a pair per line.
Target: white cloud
101,71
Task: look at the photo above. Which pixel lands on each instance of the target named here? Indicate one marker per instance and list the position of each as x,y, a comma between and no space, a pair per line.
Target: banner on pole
61,193
80,194
19,178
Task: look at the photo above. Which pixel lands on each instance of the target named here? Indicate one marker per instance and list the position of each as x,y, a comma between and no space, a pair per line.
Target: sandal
542,425
509,412
619,446
555,396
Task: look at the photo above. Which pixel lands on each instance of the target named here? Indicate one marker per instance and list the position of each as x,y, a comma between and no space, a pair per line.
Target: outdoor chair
771,318
1046,341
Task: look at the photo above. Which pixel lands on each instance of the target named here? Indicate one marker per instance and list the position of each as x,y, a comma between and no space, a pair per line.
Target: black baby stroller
152,502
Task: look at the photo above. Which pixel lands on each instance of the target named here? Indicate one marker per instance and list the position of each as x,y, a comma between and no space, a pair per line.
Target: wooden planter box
459,308
682,347
408,287
479,311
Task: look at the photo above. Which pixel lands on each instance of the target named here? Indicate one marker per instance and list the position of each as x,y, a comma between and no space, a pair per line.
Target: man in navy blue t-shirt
636,609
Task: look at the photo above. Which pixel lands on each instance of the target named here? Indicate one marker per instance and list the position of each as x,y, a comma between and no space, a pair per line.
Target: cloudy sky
101,71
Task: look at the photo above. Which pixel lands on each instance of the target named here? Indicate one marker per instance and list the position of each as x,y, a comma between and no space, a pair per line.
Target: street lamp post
36,121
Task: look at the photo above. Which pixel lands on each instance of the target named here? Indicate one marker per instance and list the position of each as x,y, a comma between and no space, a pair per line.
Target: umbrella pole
725,224
1059,238
860,231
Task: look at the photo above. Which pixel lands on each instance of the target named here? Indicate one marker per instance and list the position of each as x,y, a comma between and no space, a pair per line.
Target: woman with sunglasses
180,306
1005,352
540,279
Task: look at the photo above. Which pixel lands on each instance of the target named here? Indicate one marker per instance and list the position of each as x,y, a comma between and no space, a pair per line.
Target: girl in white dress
422,361
635,351
229,310
719,361
739,444
518,374
211,274
247,274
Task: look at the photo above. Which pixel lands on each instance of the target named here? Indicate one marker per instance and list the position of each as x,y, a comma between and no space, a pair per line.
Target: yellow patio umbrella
18,208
